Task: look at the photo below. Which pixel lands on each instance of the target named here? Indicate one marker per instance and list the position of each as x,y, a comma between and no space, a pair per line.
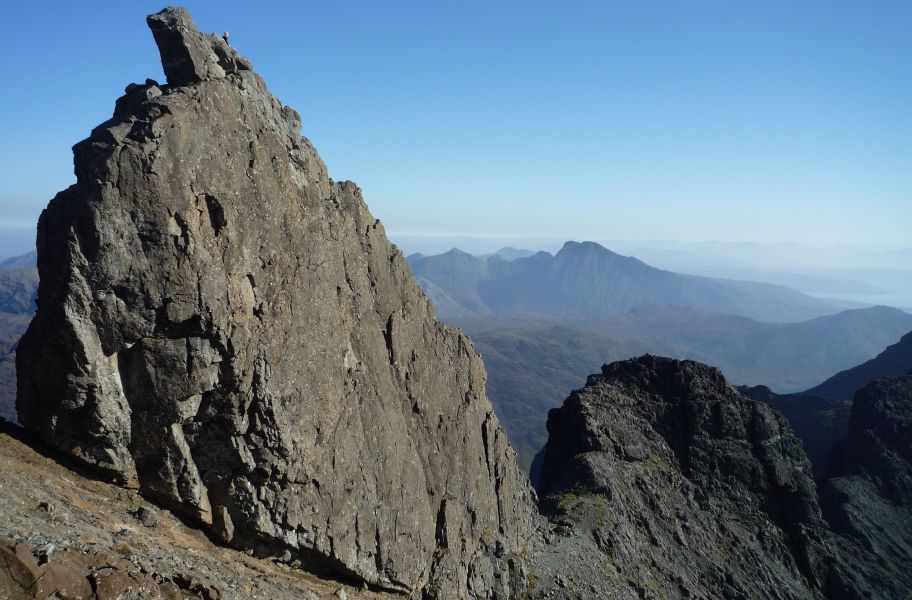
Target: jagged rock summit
225,328
668,483
867,493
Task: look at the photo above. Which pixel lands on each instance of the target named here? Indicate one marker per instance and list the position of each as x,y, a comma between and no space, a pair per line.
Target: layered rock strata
227,329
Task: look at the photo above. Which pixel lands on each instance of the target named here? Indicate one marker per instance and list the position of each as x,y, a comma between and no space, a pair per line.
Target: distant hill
586,280
533,365
18,284
894,361
11,329
30,259
18,287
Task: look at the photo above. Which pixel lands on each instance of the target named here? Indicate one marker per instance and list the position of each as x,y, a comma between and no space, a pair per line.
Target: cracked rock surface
226,329
65,534
867,493
664,482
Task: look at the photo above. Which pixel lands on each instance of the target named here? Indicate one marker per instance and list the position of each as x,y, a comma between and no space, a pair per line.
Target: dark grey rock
818,422
189,56
665,482
225,328
146,516
867,493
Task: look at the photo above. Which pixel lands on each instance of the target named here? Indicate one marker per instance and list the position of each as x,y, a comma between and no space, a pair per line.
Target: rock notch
227,329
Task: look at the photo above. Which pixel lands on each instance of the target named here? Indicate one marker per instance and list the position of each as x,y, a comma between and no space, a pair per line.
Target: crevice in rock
441,526
216,214
485,444
388,338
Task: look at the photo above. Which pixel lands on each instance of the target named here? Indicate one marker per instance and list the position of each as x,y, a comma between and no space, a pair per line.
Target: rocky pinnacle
227,329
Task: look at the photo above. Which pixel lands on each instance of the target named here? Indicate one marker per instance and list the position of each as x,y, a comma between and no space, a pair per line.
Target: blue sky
732,121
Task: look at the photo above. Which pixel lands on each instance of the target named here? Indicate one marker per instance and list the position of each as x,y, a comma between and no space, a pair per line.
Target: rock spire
226,328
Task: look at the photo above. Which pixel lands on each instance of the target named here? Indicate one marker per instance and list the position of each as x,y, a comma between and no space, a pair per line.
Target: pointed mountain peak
189,56
584,248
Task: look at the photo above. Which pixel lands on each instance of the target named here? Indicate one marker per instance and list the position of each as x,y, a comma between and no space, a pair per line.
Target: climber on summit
225,37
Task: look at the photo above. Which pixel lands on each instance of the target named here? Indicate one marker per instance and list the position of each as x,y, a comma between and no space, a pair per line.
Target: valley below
537,354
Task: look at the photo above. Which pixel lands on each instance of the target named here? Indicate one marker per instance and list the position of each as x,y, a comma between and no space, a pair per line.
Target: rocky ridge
226,329
818,422
674,485
867,493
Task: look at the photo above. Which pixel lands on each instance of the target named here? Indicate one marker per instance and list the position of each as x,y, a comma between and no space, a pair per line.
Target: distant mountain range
544,322
18,284
586,280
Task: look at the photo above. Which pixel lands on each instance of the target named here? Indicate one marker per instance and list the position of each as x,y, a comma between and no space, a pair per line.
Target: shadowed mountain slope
18,289
895,360
673,485
818,422
867,494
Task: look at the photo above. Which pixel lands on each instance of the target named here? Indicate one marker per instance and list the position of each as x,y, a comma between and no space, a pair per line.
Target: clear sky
733,121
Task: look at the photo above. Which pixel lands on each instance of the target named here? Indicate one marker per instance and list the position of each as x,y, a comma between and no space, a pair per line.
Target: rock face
227,329
867,494
818,422
670,484
894,361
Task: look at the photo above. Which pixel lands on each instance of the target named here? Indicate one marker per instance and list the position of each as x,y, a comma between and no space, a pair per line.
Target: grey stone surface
867,493
664,482
65,535
225,328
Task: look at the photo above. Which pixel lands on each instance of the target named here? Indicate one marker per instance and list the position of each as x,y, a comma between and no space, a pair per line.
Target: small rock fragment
146,516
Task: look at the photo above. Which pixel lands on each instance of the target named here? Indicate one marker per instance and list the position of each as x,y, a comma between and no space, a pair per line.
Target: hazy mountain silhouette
586,280
509,253
894,361
18,288
18,284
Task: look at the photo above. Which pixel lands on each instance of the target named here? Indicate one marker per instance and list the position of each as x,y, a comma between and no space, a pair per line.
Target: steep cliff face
818,422
227,329
676,486
867,493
